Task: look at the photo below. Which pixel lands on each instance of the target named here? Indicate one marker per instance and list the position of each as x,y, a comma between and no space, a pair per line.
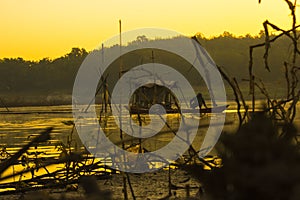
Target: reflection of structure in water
154,93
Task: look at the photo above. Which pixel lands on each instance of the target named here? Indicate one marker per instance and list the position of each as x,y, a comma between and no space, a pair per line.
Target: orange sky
34,29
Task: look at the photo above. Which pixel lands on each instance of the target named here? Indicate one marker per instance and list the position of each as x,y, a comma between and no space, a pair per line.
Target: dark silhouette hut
158,92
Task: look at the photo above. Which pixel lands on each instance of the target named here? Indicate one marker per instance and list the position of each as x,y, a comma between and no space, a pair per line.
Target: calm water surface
18,129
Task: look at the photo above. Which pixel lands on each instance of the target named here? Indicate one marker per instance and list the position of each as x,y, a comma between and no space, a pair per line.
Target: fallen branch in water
44,136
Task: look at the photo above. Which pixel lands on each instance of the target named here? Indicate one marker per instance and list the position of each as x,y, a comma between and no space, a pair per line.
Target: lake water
16,130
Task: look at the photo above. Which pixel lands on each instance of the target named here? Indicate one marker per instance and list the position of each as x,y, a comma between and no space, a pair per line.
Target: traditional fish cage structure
154,93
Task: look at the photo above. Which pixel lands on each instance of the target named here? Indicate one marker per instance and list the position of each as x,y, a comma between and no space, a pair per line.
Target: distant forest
50,81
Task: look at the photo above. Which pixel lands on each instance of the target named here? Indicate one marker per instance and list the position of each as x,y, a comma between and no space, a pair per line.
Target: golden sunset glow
34,29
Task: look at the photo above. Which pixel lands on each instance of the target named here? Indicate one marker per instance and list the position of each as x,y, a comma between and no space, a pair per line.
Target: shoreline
153,185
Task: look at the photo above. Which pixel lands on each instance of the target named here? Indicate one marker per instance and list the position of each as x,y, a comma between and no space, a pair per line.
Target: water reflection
19,129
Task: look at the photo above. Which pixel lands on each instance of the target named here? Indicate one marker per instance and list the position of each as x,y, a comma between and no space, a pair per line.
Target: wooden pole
120,117
253,95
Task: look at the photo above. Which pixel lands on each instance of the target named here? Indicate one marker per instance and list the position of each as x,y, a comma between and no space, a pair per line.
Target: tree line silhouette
21,79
